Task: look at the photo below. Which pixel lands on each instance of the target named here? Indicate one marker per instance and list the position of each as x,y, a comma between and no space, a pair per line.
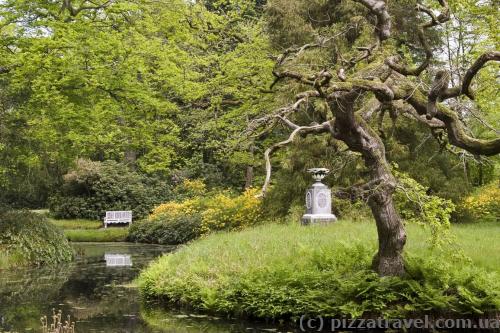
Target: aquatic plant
57,325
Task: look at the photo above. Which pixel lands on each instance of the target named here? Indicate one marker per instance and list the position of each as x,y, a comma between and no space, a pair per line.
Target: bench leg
105,225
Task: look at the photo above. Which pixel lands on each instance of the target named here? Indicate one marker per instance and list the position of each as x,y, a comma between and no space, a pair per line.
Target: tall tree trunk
130,157
358,136
249,172
249,177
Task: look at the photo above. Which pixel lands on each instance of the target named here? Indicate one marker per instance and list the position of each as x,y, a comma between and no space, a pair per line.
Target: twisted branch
410,112
304,130
379,9
457,135
283,112
440,91
465,88
443,17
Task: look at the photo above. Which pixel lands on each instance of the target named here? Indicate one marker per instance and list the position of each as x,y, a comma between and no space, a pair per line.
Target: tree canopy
214,89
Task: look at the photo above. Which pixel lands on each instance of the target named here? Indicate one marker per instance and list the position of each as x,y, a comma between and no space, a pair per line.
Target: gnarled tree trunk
383,82
391,235
358,136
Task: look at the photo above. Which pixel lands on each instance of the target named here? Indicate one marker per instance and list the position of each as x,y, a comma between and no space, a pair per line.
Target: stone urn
318,200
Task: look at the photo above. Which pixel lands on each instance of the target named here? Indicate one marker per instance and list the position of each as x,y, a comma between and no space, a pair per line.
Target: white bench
118,217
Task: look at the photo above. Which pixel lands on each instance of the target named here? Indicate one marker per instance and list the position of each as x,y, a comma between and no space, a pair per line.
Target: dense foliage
168,107
352,73
285,271
198,212
29,239
93,188
417,206
162,86
169,88
175,230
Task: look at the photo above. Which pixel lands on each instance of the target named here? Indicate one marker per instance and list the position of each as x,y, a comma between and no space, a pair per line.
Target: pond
96,291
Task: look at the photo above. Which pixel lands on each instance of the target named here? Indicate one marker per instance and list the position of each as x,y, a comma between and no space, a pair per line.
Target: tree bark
249,177
249,171
391,235
358,136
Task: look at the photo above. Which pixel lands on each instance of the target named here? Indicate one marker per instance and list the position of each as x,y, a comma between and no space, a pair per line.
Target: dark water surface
96,291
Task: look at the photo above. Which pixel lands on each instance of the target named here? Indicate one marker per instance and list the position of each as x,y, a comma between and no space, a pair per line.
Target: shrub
285,271
353,210
416,206
482,205
29,239
178,222
224,211
173,209
93,188
190,189
174,231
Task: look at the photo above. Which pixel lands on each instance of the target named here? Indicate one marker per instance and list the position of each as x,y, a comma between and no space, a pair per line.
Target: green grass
284,271
80,230
76,224
478,241
100,235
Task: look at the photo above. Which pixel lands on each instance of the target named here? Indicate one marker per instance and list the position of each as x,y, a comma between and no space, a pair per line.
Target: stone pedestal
318,204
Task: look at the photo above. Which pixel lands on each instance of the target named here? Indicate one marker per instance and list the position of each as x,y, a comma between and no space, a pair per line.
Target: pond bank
286,271
100,235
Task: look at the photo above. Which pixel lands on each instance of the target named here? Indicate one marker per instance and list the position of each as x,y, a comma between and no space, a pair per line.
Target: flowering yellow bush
226,212
484,204
190,194
190,188
196,186
174,209
219,211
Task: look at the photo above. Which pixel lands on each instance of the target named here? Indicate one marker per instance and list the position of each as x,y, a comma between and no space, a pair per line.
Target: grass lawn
76,224
118,234
478,241
284,271
79,230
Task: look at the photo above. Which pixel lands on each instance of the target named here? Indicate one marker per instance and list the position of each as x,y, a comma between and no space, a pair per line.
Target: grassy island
285,271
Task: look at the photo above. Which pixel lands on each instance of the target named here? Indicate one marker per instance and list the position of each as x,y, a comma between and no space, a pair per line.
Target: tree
355,69
154,84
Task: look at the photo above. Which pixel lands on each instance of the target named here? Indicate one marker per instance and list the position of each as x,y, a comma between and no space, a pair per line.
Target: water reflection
98,298
117,260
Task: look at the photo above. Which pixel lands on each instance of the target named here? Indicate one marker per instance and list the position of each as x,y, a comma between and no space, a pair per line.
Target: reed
57,325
